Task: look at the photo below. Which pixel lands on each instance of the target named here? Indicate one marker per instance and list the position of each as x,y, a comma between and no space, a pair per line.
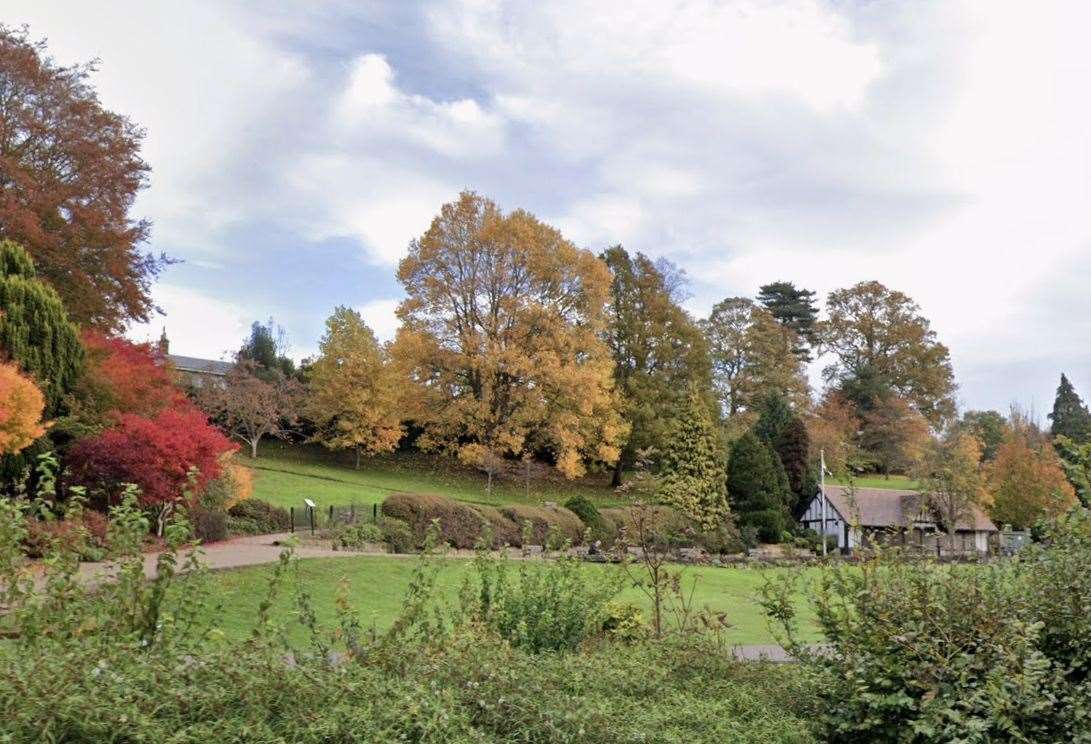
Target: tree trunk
488,486
357,465
615,480
254,449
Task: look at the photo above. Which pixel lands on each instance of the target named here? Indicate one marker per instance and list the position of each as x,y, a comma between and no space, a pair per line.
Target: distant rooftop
199,366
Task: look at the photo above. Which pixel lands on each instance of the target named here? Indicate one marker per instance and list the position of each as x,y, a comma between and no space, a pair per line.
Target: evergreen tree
692,465
35,331
267,348
757,495
1070,417
774,414
793,447
793,308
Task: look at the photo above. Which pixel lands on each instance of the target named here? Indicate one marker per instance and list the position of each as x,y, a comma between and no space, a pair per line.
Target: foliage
266,348
1070,417
1075,458
398,535
553,605
118,377
353,390
893,435
752,356
501,339
989,427
164,455
588,513
977,653
950,477
882,344
793,447
256,517
252,403
658,351
21,406
208,525
692,476
758,497
795,309
35,331
1027,481
833,427
357,535
72,170
459,524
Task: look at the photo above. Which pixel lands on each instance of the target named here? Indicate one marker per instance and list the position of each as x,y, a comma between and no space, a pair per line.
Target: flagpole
822,488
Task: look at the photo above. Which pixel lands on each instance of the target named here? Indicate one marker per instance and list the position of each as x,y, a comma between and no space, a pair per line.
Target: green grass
378,583
901,482
286,474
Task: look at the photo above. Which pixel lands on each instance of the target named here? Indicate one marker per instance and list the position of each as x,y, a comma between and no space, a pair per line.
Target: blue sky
941,148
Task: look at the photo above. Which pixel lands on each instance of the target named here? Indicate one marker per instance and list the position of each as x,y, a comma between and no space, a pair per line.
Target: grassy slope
378,583
286,474
878,481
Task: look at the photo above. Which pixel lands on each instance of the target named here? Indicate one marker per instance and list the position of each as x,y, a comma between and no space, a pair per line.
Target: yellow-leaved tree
354,391
501,340
21,407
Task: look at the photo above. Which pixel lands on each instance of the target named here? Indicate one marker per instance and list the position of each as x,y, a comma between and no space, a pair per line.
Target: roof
883,507
200,366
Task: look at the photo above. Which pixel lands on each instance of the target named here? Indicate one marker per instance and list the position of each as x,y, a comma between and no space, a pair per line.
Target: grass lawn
902,482
286,474
378,583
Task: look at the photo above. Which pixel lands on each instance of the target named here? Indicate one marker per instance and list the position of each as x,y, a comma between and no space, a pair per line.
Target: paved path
264,549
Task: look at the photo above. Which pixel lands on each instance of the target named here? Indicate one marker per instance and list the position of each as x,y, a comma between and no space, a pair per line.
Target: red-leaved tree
157,454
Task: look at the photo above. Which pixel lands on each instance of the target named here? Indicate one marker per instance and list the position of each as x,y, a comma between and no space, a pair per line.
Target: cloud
196,324
380,317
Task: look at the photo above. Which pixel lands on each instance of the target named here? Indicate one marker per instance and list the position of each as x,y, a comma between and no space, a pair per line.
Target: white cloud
381,318
196,324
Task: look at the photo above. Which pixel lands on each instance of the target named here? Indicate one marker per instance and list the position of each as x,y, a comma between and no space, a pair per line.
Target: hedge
564,523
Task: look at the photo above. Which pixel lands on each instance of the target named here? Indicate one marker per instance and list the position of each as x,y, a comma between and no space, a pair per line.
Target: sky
942,148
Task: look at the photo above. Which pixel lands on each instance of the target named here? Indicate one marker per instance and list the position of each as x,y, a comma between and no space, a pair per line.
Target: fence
312,519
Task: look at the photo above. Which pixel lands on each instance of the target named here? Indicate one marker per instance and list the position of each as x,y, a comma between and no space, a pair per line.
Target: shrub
583,508
398,535
257,517
504,530
546,519
624,622
84,535
460,524
357,535
208,525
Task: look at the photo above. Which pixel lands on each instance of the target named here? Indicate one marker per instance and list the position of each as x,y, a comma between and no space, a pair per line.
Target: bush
84,534
257,517
562,523
208,526
504,531
460,524
357,535
398,535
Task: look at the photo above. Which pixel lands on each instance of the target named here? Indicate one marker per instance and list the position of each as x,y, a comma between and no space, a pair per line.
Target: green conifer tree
692,465
757,492
1070,417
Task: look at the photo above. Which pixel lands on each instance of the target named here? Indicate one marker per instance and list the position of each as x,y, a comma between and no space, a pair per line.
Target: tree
1070,417
354,390
1027,481
167,456
774,414
881,343
658,351
35,332
119,376
692,465
752,356
70,172
834,429
893,435
951,479
21,407
502,339
251,403
794,309
1075,459
756,495
267,348
793,447
989,427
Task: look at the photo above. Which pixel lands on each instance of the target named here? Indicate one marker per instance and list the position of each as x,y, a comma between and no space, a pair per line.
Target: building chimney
164,342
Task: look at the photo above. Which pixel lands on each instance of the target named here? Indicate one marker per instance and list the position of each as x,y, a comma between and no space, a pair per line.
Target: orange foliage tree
21,406
1027,481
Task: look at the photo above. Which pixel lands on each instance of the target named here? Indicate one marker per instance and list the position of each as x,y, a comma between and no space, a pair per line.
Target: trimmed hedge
564,523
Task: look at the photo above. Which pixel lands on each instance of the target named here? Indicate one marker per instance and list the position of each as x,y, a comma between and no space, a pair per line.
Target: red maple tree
123,377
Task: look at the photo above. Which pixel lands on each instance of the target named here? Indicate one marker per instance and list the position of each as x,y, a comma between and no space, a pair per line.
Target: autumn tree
881,344
165,455
692,475
795,309
1069,417
502,339
251,404
752,356
70,171
989,427
267,348
893,435
950,476
1027,481
353,389
833,428
658,351
35,331
21,407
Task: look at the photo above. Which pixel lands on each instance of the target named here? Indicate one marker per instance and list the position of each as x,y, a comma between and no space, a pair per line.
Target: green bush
459,523
356,535
583,508
972,653
257,517
208,526
398,535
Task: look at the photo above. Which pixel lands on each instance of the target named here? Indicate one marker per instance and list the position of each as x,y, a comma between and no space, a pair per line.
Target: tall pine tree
1070,417
793,308
757,494
692,465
